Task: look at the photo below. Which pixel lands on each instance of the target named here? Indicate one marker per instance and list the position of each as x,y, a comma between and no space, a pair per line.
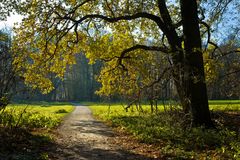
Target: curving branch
127,17
164,22
229,52
229,73
208,33
133,48
146,15
136,47
144,47
216,47
201,11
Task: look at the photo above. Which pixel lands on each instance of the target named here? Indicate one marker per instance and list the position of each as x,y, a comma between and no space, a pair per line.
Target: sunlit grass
170,130
218,102
40,115
45,108
27,128
224,105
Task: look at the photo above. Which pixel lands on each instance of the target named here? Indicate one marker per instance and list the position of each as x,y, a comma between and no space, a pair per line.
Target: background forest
80,80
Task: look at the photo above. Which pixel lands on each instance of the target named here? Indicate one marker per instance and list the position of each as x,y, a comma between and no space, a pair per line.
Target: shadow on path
84,152
81,137
93,126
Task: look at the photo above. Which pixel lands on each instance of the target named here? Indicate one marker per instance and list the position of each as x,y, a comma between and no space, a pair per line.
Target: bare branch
127,17
208,33
221,52
159,78
165,24
229,52
146,15
147,48
210,42
229,73
136,47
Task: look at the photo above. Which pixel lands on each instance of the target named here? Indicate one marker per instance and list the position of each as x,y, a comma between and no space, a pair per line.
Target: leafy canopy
137,40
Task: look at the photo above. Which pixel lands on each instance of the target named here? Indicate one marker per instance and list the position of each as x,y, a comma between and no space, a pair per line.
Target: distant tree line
226,84
79,84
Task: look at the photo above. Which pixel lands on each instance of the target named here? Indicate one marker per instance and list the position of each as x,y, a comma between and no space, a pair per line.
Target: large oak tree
135,38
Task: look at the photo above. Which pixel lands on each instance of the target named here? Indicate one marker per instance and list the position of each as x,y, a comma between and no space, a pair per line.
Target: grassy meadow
224,105
171,133
26,129
36,115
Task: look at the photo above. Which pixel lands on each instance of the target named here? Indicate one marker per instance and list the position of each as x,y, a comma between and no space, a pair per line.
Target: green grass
225,105
25,129
223,102
40,115
169,130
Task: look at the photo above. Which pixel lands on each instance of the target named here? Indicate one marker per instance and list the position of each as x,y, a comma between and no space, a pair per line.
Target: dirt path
81,137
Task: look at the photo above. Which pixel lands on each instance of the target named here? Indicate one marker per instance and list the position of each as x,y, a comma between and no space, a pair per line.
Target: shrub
13,118
61,111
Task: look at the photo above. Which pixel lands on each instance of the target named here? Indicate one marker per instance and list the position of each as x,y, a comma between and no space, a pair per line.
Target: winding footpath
81,137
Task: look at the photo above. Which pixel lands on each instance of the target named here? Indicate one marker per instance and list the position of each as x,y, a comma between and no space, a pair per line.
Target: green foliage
236,147
46,43
44,156
3,102
211,66
169,130
61,111
33,116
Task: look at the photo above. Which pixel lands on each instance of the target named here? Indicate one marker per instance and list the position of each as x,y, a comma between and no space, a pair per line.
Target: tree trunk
195,86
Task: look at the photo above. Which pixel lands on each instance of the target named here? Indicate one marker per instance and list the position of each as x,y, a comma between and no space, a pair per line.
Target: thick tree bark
195,86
